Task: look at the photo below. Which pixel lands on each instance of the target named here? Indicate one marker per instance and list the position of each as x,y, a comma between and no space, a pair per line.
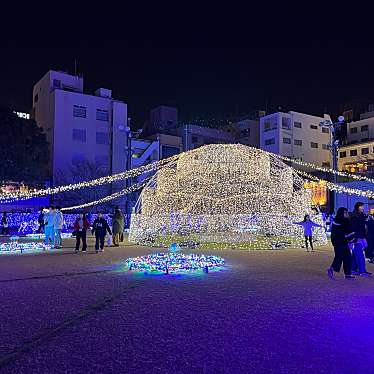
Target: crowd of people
51,220
352,236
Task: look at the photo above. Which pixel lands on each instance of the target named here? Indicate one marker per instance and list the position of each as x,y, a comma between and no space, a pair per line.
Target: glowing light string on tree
16,196
116,195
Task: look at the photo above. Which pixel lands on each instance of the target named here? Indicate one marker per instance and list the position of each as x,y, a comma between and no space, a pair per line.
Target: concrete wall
287,137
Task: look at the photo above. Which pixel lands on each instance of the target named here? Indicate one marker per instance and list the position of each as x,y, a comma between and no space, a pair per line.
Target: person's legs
102,240
97,238
57,237
116,239
311,242
347,261
48,235
78,241
306,243
84,247
359,257
338,259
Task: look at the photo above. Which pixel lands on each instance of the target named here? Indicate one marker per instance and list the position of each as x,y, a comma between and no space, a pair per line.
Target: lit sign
319,192
23,115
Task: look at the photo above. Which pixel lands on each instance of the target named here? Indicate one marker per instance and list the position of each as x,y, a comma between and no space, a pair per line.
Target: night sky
208,62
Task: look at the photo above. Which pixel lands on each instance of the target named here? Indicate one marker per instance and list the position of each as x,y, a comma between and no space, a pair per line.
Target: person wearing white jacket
57,227
49,217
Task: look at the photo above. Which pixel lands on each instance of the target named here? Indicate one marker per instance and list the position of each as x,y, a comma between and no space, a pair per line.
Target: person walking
341,235
308,225
41,221
117,226
81,226
100,227
48,226
57,225
4,224
358,222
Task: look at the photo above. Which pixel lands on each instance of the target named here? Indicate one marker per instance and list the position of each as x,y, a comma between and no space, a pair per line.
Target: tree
78,172
24,153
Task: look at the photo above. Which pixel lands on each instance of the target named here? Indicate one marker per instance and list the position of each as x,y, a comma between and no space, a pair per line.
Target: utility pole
333,146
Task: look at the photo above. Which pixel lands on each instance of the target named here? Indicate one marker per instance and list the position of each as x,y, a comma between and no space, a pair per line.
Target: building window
245,132
56,83
365,139
102,115
353,152
326,164
270,141
353,130
314,127
102,138
314,145
364,128
343,154
325,130
364,151
194,139
325,146
286,123
298,142
270,124
287,140
36,98
297,124
79,111
79,135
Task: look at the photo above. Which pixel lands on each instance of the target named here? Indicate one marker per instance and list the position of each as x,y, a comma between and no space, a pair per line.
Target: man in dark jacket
100,228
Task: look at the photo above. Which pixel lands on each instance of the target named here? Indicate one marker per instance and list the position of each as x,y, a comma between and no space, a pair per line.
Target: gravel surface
265,312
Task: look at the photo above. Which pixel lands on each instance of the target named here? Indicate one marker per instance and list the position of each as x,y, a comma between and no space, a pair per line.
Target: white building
296,135
80,127
362,130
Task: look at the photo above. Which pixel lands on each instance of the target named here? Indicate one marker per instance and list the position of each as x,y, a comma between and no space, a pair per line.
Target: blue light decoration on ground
173,262
14,247
35,236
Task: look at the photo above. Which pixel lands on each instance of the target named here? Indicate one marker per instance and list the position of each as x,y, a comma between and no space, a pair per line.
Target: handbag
74,233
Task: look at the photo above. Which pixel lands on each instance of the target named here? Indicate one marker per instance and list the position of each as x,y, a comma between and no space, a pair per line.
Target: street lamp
333,146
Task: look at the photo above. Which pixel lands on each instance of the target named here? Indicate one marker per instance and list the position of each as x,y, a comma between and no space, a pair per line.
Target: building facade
80,127
296,135
357,157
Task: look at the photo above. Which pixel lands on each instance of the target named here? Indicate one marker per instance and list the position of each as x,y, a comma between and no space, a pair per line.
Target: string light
22,195
14,246
174,263
337,187
113,196
221,195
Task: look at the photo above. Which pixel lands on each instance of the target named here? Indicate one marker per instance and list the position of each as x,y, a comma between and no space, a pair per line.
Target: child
308,225
100,228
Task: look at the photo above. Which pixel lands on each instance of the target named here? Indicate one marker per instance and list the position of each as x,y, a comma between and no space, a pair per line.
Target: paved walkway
266,312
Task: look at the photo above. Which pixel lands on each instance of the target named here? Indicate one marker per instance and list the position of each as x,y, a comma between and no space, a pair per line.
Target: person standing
100,227
48,226
341,235
117,226
57,224
41,221
358,221
81,226
370,239
308,225
4,224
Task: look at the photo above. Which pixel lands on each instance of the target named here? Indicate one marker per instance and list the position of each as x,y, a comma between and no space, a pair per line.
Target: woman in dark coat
341,235
118,225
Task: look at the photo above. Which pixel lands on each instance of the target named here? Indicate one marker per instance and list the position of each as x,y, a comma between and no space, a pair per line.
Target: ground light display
223,196
174,262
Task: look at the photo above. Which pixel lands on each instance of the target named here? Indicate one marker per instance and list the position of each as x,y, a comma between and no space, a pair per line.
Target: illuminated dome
221,194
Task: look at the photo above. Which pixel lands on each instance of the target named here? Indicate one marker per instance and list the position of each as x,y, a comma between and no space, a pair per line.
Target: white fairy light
223,194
